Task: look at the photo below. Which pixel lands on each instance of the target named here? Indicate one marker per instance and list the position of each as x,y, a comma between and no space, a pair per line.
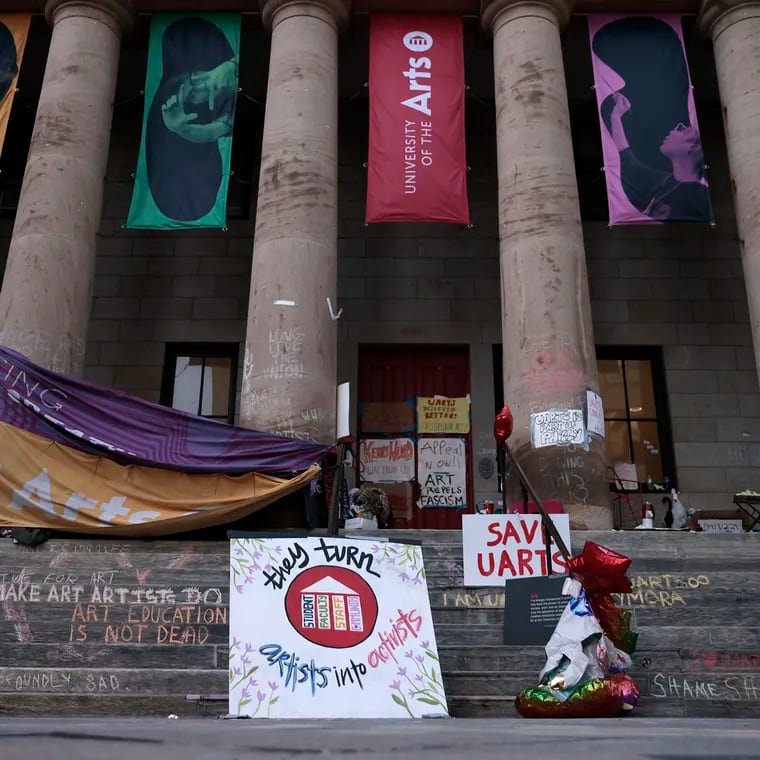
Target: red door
391,378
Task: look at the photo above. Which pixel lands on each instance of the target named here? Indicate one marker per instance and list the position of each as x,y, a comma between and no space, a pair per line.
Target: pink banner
417,169
653,160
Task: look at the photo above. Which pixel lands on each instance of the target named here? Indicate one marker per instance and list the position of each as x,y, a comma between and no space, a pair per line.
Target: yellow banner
48,485
14,29
443,415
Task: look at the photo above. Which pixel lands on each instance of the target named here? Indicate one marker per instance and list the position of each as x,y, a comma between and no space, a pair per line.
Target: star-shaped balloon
502,426
601,570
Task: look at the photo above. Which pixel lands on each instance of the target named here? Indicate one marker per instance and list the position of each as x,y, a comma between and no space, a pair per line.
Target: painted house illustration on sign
330,605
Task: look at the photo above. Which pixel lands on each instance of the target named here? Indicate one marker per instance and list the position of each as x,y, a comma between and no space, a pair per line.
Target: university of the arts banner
653,160
14,29
417,170
44,484
190,93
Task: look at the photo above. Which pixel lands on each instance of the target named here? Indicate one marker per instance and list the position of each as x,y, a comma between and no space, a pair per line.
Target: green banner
190,94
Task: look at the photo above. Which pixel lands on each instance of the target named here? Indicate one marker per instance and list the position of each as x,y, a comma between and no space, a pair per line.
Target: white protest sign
343,407
386,460
594,413
709,525
331,628
557,427
442,472
498,548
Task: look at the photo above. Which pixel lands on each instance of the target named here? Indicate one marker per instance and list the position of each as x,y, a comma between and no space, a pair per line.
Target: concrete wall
677,286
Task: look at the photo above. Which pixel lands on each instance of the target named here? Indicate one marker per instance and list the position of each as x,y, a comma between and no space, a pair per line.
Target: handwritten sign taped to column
594,413
557,427
331,628
443,415
442,472
386,460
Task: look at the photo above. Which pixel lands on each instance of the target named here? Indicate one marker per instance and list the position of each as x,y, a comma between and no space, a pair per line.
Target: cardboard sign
532,608
498,548
442,472
557,427
594,413
443,415
709,525
386,460
387,418
331,628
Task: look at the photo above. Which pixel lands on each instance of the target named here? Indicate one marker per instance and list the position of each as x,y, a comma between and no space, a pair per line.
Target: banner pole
551,529
333,517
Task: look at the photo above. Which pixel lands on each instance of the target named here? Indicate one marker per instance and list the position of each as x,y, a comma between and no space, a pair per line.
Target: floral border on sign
404,559
423,686
241,671
249,557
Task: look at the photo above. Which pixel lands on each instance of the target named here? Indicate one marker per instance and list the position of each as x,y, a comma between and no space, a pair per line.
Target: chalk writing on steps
665,590
477,599
144,624
732,661
33,680
65,588
743,688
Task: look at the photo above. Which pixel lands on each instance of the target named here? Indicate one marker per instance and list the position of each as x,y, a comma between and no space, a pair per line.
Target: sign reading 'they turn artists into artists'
331,628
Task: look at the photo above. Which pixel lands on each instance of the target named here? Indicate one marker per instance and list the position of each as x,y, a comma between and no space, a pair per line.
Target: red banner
417,168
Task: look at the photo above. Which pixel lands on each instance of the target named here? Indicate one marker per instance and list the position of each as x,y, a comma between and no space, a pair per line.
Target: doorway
394,454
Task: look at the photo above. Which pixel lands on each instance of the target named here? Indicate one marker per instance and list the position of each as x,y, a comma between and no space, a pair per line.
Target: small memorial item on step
590,650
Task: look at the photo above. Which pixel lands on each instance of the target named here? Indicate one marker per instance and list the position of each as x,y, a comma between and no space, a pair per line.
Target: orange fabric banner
14,30
44,484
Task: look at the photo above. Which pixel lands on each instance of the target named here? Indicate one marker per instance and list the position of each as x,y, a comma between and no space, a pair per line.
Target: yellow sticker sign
443,415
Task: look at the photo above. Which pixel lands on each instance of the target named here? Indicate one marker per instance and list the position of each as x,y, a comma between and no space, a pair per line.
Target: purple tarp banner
106,422
653,160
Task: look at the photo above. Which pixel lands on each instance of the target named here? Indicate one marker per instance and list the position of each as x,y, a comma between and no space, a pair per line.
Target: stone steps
695,605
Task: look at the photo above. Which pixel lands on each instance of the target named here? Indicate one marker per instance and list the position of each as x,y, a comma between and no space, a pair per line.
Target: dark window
632,385
637,424
200,378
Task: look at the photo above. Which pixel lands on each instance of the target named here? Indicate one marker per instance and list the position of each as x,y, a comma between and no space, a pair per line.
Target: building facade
535,302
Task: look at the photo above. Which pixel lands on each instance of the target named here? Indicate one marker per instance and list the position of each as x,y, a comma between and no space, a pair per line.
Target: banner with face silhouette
653,159
416,171
190,93
14,30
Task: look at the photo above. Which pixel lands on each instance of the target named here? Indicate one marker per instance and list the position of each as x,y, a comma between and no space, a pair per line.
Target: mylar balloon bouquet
589,653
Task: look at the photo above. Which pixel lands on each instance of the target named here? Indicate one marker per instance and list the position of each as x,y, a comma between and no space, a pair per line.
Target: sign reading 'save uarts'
331,628
499,548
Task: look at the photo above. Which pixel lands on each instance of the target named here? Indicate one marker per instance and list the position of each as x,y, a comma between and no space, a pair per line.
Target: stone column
289,376
549,354
735,30
47,288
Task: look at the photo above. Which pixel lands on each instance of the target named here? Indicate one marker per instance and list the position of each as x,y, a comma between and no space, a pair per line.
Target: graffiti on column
554,366
269,403
56,352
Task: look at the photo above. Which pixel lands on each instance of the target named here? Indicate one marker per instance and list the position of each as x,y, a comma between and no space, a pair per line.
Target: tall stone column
289,376
735,30
549,355
47,288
